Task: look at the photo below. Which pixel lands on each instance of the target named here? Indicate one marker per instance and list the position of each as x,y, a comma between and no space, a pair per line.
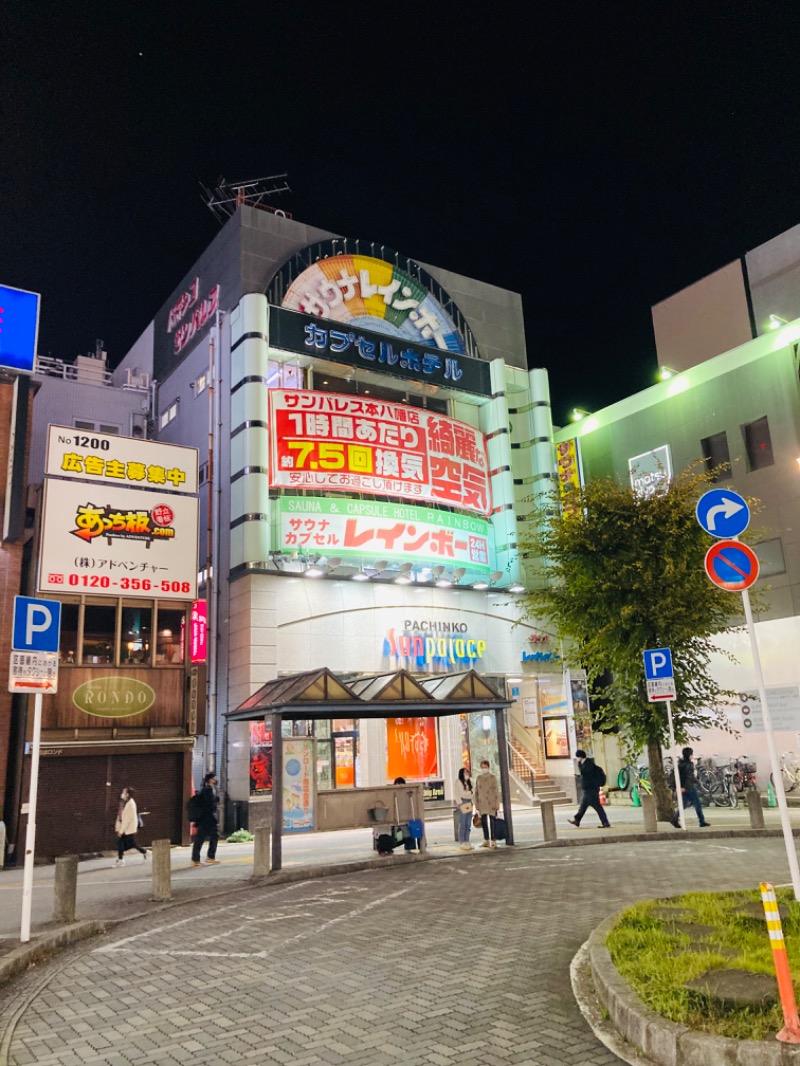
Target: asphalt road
458,962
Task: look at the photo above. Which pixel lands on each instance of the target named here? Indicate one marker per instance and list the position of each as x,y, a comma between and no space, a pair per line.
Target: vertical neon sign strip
199,631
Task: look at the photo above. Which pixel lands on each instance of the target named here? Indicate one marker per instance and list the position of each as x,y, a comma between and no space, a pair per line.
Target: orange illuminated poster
411,749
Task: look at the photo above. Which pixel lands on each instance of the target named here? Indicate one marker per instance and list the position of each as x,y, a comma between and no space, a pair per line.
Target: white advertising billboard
131,461
105,540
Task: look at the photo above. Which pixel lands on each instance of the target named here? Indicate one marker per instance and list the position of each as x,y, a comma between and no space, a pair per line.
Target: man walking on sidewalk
592,780
688,776
207,828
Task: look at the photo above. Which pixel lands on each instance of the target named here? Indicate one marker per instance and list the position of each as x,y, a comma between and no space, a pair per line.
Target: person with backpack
593,777
202,810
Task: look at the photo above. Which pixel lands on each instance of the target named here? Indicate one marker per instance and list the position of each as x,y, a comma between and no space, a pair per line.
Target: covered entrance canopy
320,694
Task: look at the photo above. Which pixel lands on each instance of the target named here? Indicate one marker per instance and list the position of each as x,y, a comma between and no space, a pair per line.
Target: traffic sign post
733,566
660,679
723,513
33,668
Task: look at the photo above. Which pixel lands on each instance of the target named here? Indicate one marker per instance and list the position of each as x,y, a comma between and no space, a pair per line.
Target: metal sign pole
674,750
30,835
783,807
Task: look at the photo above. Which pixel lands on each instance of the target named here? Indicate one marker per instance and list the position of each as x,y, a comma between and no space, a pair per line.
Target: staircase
521,767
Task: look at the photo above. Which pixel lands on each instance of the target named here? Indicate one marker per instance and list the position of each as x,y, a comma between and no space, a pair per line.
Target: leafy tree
622,574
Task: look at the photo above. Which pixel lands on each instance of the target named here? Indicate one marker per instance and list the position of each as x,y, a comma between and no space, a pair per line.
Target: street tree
621,573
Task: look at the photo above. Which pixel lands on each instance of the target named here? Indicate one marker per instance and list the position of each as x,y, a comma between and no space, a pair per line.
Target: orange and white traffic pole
790,1034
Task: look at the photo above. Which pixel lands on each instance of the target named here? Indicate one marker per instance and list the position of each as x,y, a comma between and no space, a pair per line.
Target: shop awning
321,694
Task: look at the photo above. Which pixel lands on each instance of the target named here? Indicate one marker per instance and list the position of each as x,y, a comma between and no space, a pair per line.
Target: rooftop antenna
226,196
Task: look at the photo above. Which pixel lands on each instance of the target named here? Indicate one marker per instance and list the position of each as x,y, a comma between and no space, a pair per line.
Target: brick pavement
462,962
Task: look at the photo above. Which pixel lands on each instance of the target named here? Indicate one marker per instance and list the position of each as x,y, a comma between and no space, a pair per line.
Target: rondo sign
732,565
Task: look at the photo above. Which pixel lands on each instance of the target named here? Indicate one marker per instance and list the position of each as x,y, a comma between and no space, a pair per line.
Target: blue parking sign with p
37,624
658,664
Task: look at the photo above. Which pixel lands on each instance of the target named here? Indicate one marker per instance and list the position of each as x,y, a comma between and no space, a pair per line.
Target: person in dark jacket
207,828
688,776
592,779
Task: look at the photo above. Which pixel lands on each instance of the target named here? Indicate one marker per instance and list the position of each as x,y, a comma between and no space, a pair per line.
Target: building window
96,427
99,633
717,456
758,443
68,642
770,557
169,414
201,383
136,636
168,638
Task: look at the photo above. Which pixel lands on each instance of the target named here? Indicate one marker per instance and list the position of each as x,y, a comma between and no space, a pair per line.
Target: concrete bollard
650,813
755,808
549,820
161,859
65,889
261,856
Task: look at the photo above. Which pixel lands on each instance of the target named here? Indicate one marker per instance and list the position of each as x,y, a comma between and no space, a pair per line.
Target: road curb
663,1042
665,837
46,944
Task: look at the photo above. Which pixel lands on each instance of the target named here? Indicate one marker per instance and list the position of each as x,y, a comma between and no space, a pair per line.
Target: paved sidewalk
460,962
109,893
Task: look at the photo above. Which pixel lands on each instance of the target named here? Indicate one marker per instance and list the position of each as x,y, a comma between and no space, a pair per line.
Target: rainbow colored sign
358,289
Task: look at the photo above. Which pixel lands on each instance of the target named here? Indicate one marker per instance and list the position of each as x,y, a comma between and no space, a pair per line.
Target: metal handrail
512,751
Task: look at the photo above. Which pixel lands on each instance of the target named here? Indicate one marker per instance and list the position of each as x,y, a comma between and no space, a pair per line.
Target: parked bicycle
715,783
790,771
635,777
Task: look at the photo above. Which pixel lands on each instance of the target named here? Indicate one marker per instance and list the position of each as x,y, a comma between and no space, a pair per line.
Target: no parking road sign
732,565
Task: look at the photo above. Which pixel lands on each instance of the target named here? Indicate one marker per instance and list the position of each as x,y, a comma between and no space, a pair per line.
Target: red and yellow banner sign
569,476
411,749
350,444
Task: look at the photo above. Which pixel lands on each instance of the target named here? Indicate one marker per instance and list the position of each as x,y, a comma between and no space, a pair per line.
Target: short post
755,808
162,871
65,890
549,820
2,843
790,1034
261,864
649,812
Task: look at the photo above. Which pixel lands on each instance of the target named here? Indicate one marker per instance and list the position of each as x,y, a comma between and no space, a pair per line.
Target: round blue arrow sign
723,513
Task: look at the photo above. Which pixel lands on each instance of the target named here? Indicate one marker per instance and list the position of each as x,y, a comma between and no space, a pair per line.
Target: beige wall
703,320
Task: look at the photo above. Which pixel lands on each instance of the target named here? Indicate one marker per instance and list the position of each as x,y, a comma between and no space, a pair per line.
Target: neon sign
431,652
186,330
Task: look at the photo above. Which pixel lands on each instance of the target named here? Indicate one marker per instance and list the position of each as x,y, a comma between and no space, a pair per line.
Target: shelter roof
321,694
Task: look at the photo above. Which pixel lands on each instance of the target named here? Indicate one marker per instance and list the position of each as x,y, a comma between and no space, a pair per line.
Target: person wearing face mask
487,800
593,777
126,826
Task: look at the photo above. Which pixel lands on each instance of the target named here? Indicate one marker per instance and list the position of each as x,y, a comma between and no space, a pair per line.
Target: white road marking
241,928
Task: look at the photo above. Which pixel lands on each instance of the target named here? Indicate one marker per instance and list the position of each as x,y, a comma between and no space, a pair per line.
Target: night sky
597,158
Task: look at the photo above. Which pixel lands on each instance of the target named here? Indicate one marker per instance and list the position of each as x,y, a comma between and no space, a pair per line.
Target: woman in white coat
126,826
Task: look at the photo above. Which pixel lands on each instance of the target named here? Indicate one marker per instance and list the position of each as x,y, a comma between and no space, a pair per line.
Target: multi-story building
728,353
370,438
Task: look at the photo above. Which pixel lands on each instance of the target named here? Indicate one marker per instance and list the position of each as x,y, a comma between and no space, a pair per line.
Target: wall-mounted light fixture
665,373
775,322
578,413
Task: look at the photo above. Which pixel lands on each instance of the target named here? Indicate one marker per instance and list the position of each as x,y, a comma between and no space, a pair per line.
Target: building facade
736,410
370,442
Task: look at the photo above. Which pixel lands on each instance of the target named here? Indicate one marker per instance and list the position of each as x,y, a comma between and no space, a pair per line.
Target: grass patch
657,961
